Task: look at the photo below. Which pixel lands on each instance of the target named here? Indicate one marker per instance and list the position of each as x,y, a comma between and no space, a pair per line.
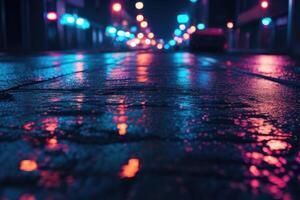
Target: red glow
116,7
264,4
52,16
27,197
50,124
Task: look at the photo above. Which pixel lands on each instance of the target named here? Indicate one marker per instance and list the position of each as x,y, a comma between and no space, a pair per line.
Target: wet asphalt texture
149,125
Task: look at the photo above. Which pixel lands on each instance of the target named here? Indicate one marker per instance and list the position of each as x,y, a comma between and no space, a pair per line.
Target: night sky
161,15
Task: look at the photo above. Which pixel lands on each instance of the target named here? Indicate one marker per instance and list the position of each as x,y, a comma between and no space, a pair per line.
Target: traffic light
264,4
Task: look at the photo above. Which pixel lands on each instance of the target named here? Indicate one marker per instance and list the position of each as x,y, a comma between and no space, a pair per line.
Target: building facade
267,25
37,25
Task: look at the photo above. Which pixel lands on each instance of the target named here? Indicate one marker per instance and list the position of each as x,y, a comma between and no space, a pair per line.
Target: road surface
146,125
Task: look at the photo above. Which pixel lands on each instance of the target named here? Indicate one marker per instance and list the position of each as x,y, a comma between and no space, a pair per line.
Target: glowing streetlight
144,24
264,4
52,16
230,25
116,7
139,5
139,18
151,35
140,35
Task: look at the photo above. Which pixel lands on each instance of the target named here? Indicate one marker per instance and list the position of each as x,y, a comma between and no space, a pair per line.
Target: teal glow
82,23
121,33
177,32
172,42
201,26
67,19
167,46
183,19
71,20
111,30
133,29
266,21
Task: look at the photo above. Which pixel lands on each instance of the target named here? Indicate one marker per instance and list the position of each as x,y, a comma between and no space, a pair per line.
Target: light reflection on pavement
149,125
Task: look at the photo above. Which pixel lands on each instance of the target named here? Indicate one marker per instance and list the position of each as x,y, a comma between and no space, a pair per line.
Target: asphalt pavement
149,125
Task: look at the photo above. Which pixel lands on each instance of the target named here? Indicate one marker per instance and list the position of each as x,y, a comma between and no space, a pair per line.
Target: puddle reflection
121,118
28,165
131,168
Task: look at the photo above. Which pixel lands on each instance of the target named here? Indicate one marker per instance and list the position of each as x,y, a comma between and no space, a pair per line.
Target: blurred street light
140,35
144,24
139,5
182,27
151,35
116,7
230,25
139,18
264,4
201,26
183,18
52,16
266,21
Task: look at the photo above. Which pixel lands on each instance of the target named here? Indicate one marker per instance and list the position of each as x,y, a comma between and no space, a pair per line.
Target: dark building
267,28
216,13
26,26
221,12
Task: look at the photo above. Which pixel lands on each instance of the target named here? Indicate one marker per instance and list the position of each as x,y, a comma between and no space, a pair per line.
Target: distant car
210,39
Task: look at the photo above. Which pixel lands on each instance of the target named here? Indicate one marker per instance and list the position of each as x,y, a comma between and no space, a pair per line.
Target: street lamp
52,16
116,7
264,4
230,25
139,5
139,18
144,24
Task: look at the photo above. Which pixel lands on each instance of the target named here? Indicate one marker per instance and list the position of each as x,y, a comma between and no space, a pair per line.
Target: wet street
149,126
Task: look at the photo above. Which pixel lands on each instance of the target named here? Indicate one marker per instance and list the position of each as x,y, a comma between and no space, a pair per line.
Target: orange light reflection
131,169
